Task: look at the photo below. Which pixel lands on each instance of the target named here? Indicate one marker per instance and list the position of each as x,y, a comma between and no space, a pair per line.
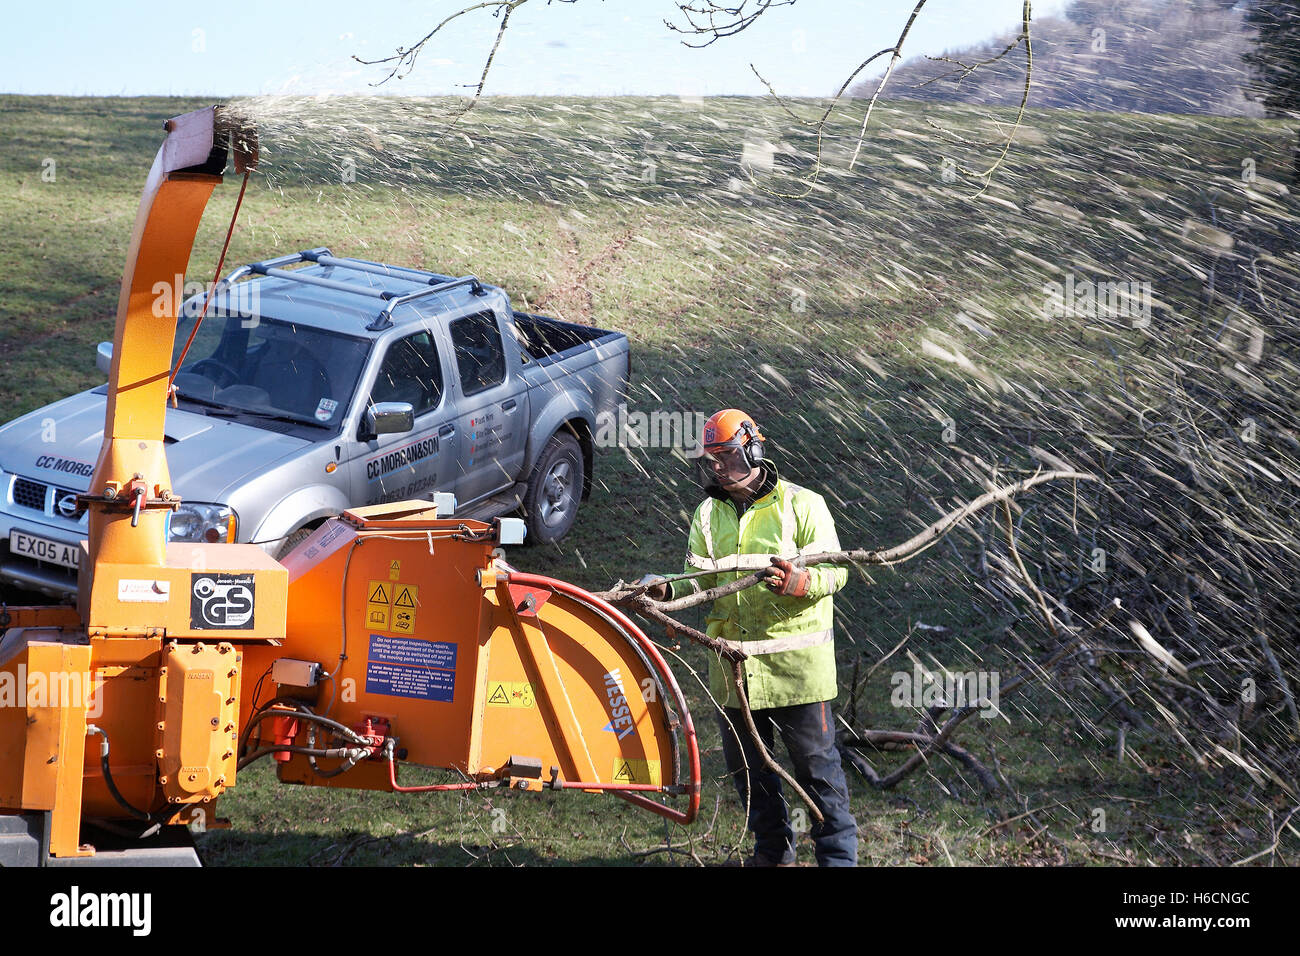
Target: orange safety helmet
731,429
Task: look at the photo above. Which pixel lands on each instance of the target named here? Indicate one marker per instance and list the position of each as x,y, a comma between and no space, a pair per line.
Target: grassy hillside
885,330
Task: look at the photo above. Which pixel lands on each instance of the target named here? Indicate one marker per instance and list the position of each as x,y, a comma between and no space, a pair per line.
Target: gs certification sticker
221,601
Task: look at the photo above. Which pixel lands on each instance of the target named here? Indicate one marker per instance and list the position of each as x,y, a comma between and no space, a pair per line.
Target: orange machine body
471,665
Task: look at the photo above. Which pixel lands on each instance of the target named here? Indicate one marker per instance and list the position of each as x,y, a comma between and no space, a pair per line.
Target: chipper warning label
391,605
510,693
402,667
632,770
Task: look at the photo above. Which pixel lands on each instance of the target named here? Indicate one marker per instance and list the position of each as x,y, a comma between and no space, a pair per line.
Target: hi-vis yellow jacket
790,640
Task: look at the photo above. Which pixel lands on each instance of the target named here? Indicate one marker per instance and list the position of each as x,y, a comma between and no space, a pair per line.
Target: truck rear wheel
554,490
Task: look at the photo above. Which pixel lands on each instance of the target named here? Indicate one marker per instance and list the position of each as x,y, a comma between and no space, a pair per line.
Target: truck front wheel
554,490
293,540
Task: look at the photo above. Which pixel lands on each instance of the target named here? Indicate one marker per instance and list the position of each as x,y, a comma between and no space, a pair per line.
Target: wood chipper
391,636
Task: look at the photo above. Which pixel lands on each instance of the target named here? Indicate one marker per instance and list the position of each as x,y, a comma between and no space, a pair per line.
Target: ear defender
753,444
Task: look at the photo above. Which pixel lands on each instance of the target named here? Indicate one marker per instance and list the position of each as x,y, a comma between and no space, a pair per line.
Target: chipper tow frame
391,636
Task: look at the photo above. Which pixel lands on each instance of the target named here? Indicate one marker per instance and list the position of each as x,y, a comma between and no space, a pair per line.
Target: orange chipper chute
390,636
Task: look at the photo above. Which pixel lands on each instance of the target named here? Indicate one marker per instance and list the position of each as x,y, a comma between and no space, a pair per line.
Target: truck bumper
36,576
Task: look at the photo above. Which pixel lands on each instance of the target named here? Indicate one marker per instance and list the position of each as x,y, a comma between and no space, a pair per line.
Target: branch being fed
635,598
897,52
738,681
644,605
922,541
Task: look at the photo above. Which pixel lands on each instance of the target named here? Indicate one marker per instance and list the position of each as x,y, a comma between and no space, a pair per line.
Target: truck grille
29,494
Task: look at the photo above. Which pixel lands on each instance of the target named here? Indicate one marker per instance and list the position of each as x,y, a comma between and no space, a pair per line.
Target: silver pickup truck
338,383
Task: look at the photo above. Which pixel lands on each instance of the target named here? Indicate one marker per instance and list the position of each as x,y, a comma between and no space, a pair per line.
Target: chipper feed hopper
390,637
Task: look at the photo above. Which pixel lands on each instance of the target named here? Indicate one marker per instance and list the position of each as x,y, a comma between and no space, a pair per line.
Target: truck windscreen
267,367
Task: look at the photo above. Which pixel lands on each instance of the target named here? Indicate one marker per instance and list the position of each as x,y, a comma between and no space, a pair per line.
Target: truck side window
411,373
479,356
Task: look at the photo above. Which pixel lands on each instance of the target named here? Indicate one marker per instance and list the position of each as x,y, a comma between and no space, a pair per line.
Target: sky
585,48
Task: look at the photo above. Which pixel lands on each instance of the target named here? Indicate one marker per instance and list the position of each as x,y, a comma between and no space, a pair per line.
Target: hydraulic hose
91,730
298,711
341,753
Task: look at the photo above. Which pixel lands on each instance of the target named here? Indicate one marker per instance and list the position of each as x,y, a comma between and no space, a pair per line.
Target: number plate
43,549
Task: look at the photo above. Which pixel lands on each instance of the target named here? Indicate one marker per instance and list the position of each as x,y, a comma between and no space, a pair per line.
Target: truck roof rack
322,256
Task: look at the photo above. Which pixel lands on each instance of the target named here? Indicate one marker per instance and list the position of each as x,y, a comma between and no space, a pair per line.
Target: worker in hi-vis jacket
754,519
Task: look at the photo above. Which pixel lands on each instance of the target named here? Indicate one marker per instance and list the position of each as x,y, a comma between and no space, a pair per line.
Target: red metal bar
392,779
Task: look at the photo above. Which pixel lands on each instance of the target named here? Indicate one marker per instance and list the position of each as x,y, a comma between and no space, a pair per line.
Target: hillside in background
1138,56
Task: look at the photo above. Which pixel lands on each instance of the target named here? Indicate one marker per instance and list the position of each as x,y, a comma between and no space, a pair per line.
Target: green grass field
826,316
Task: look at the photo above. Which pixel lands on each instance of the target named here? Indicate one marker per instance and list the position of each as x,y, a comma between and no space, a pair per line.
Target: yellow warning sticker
510,694
395,570
377,612
631,770
404,602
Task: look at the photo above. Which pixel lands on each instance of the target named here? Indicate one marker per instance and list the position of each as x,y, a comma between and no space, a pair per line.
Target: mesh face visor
724,464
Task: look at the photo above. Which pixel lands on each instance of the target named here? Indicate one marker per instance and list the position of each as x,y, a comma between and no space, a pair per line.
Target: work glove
656,586
784,578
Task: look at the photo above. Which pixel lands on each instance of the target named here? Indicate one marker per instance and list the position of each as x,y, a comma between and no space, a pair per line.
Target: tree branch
711,10
714,20
879,738
939,741
893,61
637,600
738,681
909,549
404,59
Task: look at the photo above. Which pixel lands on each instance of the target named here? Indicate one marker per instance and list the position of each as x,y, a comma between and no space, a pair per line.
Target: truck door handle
508,405
446,431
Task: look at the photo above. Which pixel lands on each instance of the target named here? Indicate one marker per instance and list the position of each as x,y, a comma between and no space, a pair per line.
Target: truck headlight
201,522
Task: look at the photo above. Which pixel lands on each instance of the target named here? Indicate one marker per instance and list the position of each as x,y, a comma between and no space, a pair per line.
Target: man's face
728,464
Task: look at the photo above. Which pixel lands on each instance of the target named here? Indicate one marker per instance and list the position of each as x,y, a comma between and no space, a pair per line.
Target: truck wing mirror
104,357
389,418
